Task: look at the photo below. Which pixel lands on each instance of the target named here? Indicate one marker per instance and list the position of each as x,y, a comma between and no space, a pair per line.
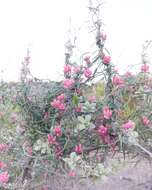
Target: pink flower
14,98
107,113
1,114
103,36
61,97
128,125
145,120
44,188
76,69
2,165
115,70
4,177
92,98
68,83
72,173
78,109
3,147
79,92
58,151
55,103
29,98
29,151
106,60
51,139
103,131
67,69
87,73
87,60
57,130
46,115
61,107
14,117
128,74
144,68
27,59
117,81
79,149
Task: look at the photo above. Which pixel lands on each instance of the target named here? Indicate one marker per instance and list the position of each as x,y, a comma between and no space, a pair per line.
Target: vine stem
145,150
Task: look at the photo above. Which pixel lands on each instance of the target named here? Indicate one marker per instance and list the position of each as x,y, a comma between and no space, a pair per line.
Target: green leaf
81,126
88,118
75,100
81,119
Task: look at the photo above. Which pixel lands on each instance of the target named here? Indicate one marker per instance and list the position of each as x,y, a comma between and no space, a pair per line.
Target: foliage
73,125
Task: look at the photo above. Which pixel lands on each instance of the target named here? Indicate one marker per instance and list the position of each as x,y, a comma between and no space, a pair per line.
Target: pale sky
42,26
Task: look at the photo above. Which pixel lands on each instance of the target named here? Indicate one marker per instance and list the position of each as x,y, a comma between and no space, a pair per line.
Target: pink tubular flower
78,109
3,147
58,105
129,125
145,68
46,115
115,70
106,60
51,139
1,114
117,81
44,188
14,98
87,60
87,73
2,165
76,69
103,36
58,151
29,98
4,177
79,149
72,173
29,151
107,113
14,117
145,121
27,59
55,103
68,83
92,99
128,74
61,107
102,131
57,130
67,69
61,97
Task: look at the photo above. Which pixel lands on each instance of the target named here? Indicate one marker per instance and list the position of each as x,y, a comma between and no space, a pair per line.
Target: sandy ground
129,178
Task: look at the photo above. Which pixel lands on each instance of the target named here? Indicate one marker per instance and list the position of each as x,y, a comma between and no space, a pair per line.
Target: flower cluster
68,83
117,81
128,125
4,177
145,68
58,103
106,60
107,113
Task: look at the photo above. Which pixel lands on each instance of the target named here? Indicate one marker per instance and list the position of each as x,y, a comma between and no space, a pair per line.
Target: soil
131,177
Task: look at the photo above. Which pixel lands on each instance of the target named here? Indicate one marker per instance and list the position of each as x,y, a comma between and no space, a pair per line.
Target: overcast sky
42,26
